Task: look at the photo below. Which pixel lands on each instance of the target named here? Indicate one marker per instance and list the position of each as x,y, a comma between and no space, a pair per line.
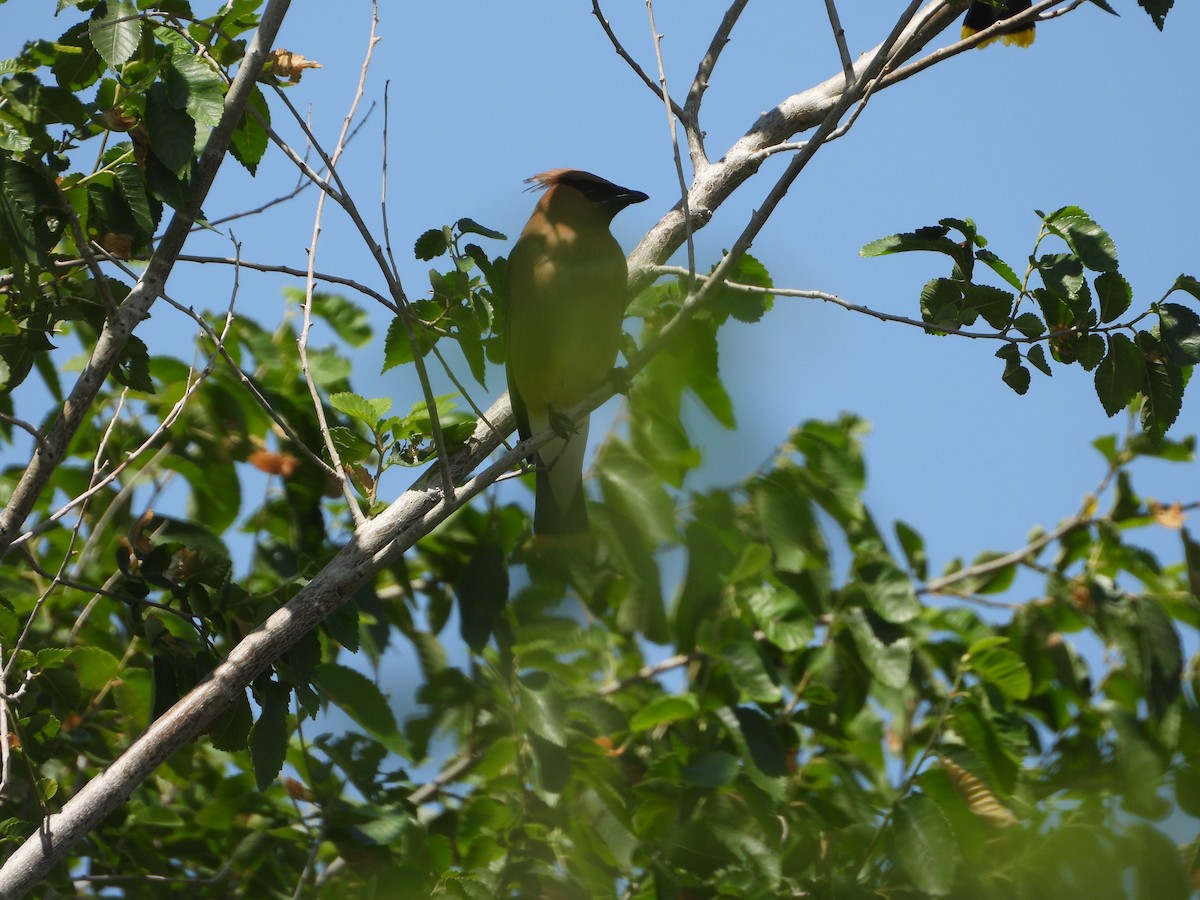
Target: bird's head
578,191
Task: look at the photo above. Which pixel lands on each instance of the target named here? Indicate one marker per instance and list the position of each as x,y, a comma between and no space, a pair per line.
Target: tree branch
118,328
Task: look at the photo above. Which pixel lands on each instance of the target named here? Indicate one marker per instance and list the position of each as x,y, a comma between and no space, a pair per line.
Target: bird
982,15
566,291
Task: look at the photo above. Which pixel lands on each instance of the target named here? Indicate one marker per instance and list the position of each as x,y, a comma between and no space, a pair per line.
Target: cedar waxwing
981,15
566,302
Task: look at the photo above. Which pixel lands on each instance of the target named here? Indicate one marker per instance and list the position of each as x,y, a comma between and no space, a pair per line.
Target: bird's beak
627,197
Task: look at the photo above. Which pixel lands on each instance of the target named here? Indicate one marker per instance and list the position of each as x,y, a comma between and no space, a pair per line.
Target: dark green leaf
1000,267
992,303
748,672
482,589
1179,330
1003,669
1157,10
925,845
634,488
431,244
913,546
269,736
470,226
763,740
930,238
941,301
1037,356
1015,375
1091,243
172,131
1114,294
1029,325
1163,387
358,696
1120,374
711,769
890,663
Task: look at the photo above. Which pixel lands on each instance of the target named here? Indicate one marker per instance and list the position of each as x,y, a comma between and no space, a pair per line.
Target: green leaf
1120,374
1114,294
1003,669
1187,284
1029,325
748,673
1179,330
890,663
1037,356
115,30
172,131
470,226
94,666
269,736
397,348
482,589
712,769
783,618
1000,267
631,486
889,590
925,845
358,696
763,741
1015,375
928,238
369,411
431,244
940,303
663,710
913,546
250,138
196,86
994,304
348,320
543,708
1163,387
1161,873
1091,243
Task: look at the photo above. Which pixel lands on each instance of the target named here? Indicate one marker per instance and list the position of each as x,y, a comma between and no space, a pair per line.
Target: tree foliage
757,690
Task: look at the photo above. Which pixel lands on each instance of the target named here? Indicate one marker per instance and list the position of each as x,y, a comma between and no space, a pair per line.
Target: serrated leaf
115,30
1037,356
929,238
397,348
1179,331
172,131
994,304
1015,375
1003,669
369,411
1091,243
431,244
1000,267
1030,325
269,736
358,696
1114,295
925,845
1120,374
1163,388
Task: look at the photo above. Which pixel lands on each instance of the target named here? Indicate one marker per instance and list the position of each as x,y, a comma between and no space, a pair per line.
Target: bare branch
633,64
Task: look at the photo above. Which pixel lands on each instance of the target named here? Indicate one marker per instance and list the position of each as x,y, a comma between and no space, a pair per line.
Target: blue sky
1100,112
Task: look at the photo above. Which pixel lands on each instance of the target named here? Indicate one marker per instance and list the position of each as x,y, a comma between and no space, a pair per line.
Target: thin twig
839,37
633,64
670,109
